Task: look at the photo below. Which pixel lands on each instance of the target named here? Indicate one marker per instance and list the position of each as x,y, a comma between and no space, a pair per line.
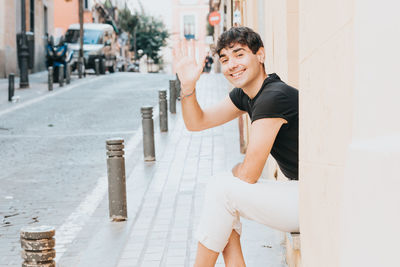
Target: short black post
116,179
148,133
61,75
162,95
97,66
172,97
11,86
50,79
102,66
178,87
68,74
37,243
80,68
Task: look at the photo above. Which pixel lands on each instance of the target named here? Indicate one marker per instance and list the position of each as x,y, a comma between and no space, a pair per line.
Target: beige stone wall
2,72
8,54
40,40
345,57
326,96
10,25
370,230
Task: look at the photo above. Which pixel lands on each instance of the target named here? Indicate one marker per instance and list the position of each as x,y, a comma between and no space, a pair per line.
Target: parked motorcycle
57,55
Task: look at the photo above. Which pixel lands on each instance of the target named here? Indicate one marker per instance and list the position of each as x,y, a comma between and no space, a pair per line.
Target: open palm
187,68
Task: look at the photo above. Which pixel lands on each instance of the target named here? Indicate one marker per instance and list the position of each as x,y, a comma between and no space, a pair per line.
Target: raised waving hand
187,68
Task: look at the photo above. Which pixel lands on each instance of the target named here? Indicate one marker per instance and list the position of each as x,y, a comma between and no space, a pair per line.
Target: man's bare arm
197,119
262,136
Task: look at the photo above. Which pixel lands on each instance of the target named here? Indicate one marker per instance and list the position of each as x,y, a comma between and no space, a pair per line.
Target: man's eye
239,55
224,61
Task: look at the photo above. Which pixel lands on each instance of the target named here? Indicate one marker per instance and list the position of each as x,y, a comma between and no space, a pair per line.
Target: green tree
147,33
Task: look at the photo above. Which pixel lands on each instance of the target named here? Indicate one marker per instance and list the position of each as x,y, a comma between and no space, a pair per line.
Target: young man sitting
273,108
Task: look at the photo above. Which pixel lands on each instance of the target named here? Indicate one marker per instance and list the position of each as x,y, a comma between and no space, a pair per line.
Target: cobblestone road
53,151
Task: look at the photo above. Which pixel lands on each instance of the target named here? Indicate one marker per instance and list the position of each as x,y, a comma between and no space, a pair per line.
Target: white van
99,41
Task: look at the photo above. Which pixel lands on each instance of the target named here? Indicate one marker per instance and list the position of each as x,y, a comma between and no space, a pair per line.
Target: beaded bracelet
183,95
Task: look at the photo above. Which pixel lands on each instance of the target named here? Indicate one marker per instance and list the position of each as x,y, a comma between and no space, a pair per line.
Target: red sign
214,18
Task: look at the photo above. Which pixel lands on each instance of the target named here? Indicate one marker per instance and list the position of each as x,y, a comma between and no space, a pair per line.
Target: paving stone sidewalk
38,87
163,228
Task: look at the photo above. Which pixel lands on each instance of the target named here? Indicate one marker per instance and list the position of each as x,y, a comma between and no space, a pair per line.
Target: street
53,151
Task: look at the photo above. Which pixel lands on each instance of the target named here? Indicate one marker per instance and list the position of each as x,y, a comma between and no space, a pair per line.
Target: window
85,4
189,27
32,15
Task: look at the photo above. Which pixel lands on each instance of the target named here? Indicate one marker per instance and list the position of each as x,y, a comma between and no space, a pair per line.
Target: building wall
370,217
40,31
345,60
10,25
8,53
199,9
67,13
326,107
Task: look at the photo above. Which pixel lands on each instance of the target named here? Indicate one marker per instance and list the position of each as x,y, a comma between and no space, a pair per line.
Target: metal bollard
38,245
68,74
162,95
11,86
148,134
50,79
172,97
102,66
116,179
178,87
80,69
61,75
97,66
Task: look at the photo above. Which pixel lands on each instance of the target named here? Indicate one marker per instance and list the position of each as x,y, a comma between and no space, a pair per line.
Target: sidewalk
38,88
165,199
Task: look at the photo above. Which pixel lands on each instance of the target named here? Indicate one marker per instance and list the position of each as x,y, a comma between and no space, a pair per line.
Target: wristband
183,95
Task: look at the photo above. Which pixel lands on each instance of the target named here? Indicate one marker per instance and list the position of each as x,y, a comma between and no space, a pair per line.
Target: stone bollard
61,75
11,86
38,245
97,66
116,179
162,95
50,79
68,74
178,87
172,97
148,134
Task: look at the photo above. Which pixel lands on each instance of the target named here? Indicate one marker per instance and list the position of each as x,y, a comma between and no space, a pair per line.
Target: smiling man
273,108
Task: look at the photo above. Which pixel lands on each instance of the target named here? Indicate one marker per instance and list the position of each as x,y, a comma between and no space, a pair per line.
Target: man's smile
238,74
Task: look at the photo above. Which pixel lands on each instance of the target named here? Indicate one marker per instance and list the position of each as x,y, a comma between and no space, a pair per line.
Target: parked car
99,42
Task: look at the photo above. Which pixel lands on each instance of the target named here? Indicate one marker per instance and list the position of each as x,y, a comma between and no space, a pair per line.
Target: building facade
344,58
189,20
39,21
66,12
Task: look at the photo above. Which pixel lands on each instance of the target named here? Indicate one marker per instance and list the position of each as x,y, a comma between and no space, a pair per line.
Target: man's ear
261,55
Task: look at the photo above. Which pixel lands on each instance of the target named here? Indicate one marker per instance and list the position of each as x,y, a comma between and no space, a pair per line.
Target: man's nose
232,64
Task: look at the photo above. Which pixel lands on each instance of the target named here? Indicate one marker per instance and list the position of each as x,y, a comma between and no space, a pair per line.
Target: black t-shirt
276,99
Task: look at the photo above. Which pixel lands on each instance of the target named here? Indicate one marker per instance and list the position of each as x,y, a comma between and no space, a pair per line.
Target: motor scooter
57,55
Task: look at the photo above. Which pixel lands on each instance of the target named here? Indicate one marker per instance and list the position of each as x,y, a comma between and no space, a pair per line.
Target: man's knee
219,187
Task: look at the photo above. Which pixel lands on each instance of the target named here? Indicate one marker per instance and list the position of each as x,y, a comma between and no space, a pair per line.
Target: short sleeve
272,104
237,95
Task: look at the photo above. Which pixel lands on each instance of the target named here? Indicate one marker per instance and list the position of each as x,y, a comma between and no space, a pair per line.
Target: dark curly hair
241,35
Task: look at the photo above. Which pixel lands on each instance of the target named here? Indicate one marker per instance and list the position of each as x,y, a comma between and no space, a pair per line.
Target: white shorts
273,203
